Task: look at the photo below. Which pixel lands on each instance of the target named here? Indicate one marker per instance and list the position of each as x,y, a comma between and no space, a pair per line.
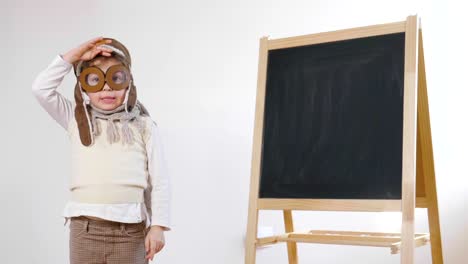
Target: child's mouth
108,99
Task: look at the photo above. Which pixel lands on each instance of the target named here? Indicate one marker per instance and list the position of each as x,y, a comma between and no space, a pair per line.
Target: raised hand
88,50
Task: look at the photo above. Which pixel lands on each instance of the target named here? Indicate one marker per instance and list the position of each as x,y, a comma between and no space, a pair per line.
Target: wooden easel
418,176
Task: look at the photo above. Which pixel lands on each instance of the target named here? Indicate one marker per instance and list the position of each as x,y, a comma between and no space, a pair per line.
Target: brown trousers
106,242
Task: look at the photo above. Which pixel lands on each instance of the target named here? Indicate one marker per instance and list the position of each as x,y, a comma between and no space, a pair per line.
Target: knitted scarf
117,114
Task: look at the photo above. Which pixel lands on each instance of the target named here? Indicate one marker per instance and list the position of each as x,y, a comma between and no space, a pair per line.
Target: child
119,206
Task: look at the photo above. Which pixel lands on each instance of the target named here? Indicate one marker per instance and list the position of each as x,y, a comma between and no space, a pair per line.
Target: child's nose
106,87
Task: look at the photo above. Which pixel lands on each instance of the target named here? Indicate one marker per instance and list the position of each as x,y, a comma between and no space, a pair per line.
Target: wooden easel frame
418,176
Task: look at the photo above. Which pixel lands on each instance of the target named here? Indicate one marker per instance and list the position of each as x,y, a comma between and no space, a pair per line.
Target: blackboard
333,120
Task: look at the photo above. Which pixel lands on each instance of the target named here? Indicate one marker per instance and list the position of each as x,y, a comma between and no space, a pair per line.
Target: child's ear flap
82,114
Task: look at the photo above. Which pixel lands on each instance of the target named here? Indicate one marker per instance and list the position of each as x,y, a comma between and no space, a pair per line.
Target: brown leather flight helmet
82,108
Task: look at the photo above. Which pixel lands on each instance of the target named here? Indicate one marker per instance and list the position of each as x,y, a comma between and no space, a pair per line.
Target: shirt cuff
63,61
164,226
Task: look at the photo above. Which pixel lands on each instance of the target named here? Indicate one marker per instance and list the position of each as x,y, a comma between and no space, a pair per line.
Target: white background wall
195,67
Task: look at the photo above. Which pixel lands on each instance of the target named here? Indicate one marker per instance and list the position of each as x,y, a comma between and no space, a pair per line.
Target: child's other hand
154,241
88,50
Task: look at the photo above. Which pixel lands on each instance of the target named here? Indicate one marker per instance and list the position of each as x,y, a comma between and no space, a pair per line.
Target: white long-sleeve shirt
61,110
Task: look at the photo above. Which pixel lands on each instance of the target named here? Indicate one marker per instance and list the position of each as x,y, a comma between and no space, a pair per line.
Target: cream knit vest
109,173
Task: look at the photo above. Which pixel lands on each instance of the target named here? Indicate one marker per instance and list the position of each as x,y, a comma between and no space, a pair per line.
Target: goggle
92,78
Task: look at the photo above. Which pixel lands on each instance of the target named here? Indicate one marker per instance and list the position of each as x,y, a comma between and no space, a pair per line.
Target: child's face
106,99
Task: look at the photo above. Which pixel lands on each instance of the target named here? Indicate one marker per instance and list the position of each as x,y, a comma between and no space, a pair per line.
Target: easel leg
250,243
289,227
408,197
427,159
434,228
407,237
252,222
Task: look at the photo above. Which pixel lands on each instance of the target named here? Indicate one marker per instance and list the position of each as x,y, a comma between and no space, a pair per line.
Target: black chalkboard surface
333,120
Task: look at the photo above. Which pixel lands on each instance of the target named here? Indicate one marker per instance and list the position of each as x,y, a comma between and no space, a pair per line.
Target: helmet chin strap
84,95
126,96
